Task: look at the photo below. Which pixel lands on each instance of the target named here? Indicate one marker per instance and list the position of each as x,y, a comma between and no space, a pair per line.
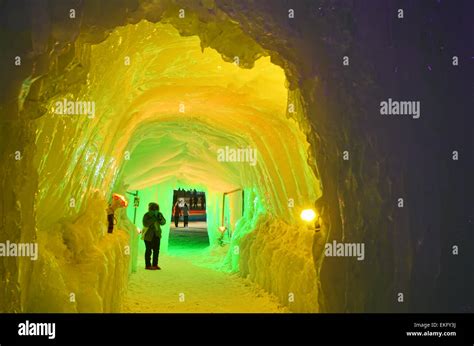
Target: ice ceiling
164,106
183,104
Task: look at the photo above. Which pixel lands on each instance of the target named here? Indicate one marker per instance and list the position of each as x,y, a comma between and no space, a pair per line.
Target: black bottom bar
290,329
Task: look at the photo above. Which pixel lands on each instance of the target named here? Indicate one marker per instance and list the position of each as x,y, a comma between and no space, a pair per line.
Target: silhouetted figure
152,222
110,219
203,201
118,201
175,197
176,212
185,214
194,203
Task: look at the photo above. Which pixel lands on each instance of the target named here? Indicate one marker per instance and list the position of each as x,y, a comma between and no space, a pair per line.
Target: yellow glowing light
308,215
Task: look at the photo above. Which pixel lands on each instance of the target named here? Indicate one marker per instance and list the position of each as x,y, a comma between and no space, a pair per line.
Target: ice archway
164,107
57,173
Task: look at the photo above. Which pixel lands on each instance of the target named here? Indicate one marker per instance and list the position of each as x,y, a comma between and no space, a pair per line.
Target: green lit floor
190,239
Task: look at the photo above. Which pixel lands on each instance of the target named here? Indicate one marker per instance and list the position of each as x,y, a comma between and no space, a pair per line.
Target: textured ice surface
70,157
139,140
158,124
81,267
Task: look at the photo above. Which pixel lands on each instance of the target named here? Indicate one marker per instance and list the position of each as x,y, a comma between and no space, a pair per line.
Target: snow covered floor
187,283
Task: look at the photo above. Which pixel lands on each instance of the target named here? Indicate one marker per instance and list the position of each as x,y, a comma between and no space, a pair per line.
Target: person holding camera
152,222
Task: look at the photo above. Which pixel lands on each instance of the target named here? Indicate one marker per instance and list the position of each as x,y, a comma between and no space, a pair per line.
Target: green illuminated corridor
325,140
172,113
171,147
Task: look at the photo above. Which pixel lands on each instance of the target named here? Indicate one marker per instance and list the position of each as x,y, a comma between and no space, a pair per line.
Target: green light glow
160,122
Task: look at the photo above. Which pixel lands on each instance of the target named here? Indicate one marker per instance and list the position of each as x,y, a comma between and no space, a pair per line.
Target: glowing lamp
119,200
222,229
308,215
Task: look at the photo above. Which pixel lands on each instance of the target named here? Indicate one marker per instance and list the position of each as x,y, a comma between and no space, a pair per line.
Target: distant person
175,197
194,203
118,201
152,222
185,214
203,202
176,213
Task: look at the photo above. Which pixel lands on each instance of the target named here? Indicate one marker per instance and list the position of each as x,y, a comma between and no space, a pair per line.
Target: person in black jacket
176,213
152,222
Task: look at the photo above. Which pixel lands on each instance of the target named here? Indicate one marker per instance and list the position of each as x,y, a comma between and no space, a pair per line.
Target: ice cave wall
408,250
358,202
92,150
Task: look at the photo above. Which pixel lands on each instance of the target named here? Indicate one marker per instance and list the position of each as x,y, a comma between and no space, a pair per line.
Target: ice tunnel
222,96
164,106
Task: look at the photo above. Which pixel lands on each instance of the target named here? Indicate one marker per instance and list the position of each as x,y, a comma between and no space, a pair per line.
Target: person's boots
155,268
149,268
